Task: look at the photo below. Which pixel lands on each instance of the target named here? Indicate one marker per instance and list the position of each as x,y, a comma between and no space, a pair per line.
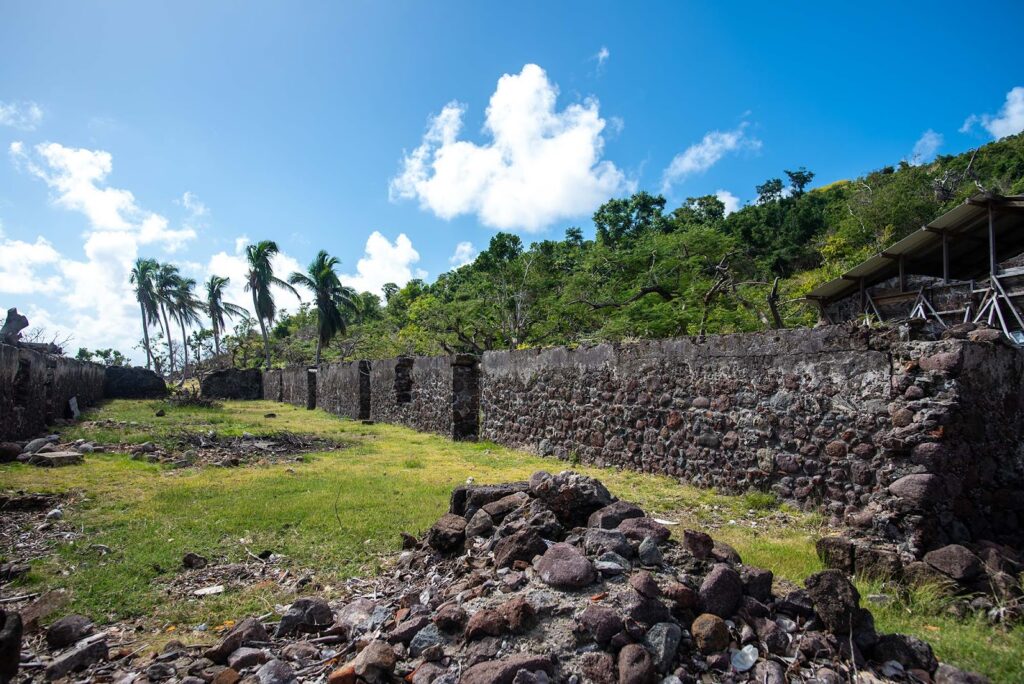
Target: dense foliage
650,271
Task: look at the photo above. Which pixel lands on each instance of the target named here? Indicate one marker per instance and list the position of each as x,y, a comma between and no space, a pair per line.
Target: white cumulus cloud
25,116
20,263
541,165
78,178
465,253
700,157
731,201
925,148
1009,120
98,308
384,262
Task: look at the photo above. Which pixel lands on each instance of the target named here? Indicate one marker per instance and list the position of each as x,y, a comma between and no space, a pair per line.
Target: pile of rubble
986,574
547,580
47,451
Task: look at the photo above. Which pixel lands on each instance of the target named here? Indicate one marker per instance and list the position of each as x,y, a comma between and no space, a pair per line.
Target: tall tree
166,284
143,277
217,308
331,296
185,309
258,281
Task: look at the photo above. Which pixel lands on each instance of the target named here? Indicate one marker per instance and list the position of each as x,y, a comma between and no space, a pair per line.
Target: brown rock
721,591
638,528
564,567
635,665
376,662
836,600
249,629
643,582
699,544
450,617
484,623
505,670
518,613
518,546
598,667
710,633
600,622
612,515
448,533
346,674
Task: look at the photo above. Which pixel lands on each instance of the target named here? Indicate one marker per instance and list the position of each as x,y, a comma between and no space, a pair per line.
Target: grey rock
77,659
68,630
662,640
275,672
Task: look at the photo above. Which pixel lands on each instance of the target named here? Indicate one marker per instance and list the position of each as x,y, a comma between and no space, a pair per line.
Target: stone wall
298,387
132,382
344,389
233,383
437,394
833,418
36,389
272,390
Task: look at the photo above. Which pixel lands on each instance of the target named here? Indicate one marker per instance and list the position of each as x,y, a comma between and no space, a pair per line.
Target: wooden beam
945,258
903,274
992,266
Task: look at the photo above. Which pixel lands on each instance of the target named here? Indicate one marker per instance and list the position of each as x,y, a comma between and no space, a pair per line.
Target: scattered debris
555,589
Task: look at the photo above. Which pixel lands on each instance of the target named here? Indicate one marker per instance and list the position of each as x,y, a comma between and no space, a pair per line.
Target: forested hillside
653,270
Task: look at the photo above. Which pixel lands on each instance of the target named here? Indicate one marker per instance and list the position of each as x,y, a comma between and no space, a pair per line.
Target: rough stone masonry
915,442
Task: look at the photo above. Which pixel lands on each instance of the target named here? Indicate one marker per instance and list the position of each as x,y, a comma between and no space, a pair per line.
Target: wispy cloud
925,148
1009,120
464,254
700,157
25,116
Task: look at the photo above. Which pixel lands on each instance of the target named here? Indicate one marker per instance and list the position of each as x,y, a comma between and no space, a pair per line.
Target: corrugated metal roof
966,218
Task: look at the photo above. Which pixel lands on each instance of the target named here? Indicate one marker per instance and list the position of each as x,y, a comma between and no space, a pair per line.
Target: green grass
339,512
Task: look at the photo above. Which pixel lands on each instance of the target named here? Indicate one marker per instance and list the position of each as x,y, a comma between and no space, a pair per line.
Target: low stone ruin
233,383
132,382
550,580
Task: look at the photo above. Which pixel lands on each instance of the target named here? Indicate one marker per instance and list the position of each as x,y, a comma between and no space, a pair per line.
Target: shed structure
965,266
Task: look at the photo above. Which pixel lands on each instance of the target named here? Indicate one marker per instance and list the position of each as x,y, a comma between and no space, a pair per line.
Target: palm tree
185,309
258,281
143,276
331,297
217,308
166,282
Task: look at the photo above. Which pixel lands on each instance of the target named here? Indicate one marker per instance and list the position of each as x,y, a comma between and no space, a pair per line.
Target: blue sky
179,130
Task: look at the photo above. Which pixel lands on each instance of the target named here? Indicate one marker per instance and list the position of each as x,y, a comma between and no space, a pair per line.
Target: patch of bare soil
30,526
200,578
209,449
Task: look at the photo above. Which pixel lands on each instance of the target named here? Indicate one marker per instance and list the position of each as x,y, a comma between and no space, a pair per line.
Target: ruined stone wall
824,418
272,390
344,389
233,383
36,389
298,387
437,394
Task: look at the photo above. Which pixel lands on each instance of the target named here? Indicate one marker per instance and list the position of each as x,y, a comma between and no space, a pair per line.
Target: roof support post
903,275
945,258
992,266
863,299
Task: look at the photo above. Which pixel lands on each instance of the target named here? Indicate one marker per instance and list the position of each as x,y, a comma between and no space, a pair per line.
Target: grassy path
338,512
